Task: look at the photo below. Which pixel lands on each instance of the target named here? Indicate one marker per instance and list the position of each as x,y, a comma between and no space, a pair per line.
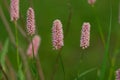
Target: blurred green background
75,60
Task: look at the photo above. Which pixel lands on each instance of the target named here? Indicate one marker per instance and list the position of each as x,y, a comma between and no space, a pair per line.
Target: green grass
103,18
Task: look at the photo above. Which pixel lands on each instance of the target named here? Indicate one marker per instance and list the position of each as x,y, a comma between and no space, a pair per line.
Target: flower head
30,22
57,35
118,74
85,35
36,42
91,2
14,10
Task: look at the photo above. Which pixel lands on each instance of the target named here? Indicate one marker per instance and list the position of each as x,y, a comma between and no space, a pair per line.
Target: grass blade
112,68
104,64
4,52
20,73
85,73
62,66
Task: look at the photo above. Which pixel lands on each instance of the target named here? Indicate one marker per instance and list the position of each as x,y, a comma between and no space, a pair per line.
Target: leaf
106,54
0,75
4,52
84,73
20,73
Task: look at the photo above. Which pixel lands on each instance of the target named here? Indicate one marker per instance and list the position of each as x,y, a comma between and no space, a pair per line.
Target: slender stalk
39,68
18,25
99,26
56,65
36,63
16,36
111,73
12,39
32,47
11,74
62,65
66,34
104,64
1,69
69,18
30,3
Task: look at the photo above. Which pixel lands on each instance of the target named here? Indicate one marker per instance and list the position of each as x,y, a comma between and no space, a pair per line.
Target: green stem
32,48
34,58
99,26
16,37
55,66
1,69
62,65
112,66
103,69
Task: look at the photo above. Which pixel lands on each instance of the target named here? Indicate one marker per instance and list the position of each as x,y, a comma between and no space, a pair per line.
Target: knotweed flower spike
91,2
118,74
14,10
36,42
57,35
85,35
30,22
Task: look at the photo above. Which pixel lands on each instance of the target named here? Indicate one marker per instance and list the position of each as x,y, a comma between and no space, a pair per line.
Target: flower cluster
85,35
118,74
34,45
91,2
57,35
30,22
14,10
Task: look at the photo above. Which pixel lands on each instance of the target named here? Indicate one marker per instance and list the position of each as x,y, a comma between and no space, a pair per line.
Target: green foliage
0,75
105,59
20,73
84,74
4,52
96,55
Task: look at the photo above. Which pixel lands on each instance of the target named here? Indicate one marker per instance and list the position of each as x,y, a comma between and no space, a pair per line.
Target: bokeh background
75,60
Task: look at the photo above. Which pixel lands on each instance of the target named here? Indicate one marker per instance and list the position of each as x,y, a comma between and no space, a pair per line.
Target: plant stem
1,69
12,39
34,59
69,18
111,73
65,35
62,65
104,64
99,26
55,66
16,37
39,68
32,48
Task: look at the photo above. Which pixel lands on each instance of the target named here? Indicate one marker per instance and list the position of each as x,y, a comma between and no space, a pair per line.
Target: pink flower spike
85,35
14,10
30,22
91,2
57,35
118,74
36,42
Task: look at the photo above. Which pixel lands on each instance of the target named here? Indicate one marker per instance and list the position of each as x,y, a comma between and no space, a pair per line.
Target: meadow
99,61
